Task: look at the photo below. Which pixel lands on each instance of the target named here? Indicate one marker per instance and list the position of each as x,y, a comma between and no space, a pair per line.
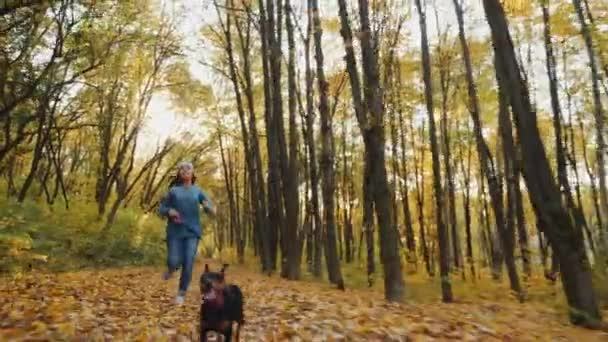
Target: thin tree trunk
347,199
560,149
317,242
291,195
571,156
227,169
420,200
486,160
271,70
373,136
327,158
41,137
598,113
410,240
250,140
445,60
511,170
466,203
442,232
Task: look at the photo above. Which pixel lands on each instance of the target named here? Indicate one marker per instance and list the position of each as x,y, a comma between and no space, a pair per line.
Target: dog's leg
203,329
228,333
203,337
237,332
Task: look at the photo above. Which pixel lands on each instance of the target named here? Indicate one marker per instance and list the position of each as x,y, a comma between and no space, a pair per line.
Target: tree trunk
41,137
486,160
347,199
442,232
544,193
250,141
410,240
560,150
510,167
571,156
368,223
327,158
271,63
444,81
466,203
316,243
373,136
598,113
291,177
228,180
420,199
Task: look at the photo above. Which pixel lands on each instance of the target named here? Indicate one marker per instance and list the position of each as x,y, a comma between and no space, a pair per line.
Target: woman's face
185,173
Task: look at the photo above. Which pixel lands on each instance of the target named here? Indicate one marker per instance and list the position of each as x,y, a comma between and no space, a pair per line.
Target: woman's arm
165,208
206,202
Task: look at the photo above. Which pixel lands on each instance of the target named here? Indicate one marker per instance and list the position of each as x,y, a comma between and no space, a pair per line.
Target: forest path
134,304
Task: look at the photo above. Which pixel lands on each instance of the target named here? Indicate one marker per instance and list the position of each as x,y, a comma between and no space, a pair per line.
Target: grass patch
36,236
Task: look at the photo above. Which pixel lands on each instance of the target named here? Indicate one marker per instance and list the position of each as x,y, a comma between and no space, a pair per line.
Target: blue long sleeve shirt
186,201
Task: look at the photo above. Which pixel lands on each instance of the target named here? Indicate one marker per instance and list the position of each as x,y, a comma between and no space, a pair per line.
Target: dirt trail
134,304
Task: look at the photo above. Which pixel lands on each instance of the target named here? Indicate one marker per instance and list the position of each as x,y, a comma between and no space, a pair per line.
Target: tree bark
327,157
544,193
250,137
446,287
600,133
560,150
466,203
373,136
486,160
272,102
418,170
291,178
410,240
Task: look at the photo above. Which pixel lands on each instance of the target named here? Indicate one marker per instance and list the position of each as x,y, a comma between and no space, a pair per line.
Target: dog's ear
224,267
206,268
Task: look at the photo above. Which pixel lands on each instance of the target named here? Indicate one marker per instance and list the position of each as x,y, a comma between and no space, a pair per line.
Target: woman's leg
189,247
174,256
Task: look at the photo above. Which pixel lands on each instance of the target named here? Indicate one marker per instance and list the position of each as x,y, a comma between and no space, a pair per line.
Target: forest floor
134,304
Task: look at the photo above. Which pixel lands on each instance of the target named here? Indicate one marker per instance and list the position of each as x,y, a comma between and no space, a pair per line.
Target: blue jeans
181,252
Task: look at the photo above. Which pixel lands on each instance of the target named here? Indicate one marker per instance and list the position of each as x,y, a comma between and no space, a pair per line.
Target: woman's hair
177,180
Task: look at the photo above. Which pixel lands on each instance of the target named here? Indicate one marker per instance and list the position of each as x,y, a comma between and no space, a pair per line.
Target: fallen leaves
133,304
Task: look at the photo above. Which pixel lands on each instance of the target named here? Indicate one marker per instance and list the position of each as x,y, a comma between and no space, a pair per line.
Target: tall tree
317,238
442,232
560,149
410,240
293,245
486,160
370,116
599,116
565,239
327,157
271,65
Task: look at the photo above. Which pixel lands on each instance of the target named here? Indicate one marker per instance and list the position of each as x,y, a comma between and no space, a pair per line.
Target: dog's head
212,280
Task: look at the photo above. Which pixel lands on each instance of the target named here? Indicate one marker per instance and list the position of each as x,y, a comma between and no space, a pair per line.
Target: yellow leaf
66,329
15,315
39,326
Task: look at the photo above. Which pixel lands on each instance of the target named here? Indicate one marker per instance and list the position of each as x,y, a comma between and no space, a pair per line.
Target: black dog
222,305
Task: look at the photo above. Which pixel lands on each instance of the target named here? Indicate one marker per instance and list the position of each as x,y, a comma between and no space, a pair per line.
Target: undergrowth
37,236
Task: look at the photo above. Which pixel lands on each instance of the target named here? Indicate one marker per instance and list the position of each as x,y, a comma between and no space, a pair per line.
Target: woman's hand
173,213
208,209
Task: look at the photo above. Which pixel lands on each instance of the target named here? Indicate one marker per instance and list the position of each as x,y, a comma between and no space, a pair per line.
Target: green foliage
187,94
34,236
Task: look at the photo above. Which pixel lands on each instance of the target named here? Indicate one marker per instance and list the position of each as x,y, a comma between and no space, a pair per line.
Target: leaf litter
134,304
